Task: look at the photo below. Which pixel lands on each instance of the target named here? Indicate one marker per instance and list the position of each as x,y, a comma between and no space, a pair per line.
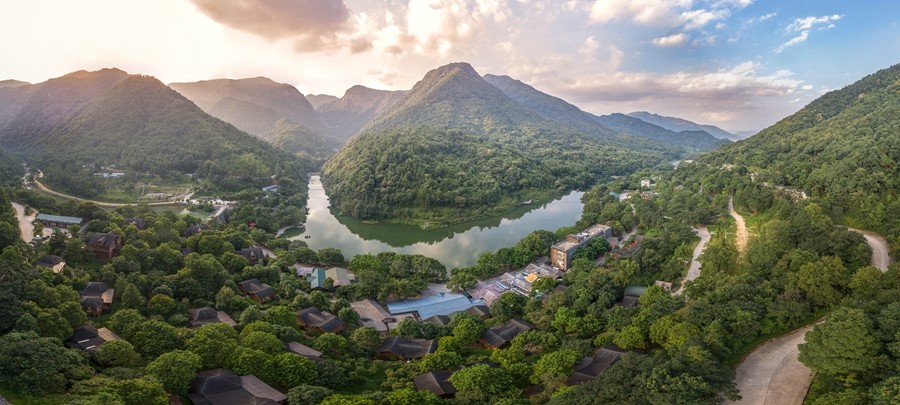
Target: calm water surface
455,246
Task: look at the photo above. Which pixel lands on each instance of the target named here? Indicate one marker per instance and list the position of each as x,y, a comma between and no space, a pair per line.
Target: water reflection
455,246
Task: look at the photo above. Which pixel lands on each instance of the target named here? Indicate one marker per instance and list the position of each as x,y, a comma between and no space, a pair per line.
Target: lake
455,246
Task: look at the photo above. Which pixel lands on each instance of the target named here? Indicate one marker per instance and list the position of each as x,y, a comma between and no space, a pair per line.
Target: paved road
694,270
26,227
773,374
742,235
881,251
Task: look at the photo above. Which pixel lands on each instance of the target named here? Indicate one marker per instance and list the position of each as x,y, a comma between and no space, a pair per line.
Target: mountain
693,140
679,124
143,125
12,83
843,149
317,100
604,126
456,148
359,105
29,112
738,135
257,105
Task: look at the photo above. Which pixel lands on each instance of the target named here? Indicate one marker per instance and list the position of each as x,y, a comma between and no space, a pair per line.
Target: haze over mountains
679,124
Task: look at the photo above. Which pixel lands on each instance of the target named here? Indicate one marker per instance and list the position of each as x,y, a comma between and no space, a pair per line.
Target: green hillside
691,140
843,149
359,105
458,147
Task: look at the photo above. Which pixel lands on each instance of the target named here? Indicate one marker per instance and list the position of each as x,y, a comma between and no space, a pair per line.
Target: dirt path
742,235
772,374
694,270
881,251
99,203
26,227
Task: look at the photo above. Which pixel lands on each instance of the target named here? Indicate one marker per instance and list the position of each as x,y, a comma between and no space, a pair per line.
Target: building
440,320
58,221
89,339
404,348
137,222
594,366
206,315
645,183
562,252
437,382
339,277
105,245
304,270
520,281
373,315
257,291
253,255
431,305
271,189
96,298
480,311
194,230
224,387
322,321
664,284
51,262
632,296
500,335
304,350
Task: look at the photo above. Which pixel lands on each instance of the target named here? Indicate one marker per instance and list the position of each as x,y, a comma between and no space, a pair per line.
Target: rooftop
431,305
575,240
58,218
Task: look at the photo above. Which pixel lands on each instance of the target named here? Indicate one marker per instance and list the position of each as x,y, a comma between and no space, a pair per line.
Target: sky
738,64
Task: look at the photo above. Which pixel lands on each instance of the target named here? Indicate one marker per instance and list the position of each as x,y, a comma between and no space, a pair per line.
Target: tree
330,343
480,383
553,368
132,298
292,370
508,305
408,396
142,391
467,329
307,395
281,315
630,337
118,353
249,315
263,341
175,370
251,361
33,364
886,392
367,339
125,322
330,257
822,281
153,338
349,316
214,343
162,305
843,344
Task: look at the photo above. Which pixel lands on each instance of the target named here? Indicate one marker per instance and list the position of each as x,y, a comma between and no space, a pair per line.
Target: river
454,246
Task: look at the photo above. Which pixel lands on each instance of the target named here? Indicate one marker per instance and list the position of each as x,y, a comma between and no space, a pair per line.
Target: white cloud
655,12
804,25
589,48
721,26
671,40
761,19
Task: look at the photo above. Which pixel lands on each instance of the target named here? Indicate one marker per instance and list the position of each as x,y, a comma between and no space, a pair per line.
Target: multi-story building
562,252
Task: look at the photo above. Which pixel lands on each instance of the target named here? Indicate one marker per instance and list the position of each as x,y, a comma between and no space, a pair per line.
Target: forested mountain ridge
356,108
457,148
12,83
29,112
257,106
317,100
679,124
843,149
143,125
691,139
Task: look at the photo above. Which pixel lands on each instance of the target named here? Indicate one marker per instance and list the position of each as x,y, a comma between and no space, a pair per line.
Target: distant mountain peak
680,124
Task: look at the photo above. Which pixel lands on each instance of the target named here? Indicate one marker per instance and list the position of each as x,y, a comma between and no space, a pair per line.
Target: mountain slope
318,100
358,106
143,125
693,140
843,149
257,105
29,112
679,124
12,83
457,147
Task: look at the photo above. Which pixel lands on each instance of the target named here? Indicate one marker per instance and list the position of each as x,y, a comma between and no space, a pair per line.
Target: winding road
694,270
742,235
99,203
881,251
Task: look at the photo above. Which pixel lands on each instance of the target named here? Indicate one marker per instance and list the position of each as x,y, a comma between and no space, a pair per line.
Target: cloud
655,12
760,19
437,26
671,40
312,24
804,25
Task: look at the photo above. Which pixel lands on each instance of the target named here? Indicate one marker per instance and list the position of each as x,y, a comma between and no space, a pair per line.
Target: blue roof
58,218
317,278
431,305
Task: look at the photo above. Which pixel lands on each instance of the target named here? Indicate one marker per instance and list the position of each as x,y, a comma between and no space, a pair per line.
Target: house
373,315
404,348
562,252
51,262
437,382
271,189
520,281
440,320
57,221
500,335
339,276
194,230
632,296
105,245
664,284
431,305
257,291
645,183
304,350
224,387
594,366
137,222
304,270
89,339
479,311
96,298
322,321
202,316
253,255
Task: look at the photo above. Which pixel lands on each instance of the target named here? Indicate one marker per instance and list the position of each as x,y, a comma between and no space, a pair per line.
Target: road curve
694,270
881,251
99,203
742,235
772,374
